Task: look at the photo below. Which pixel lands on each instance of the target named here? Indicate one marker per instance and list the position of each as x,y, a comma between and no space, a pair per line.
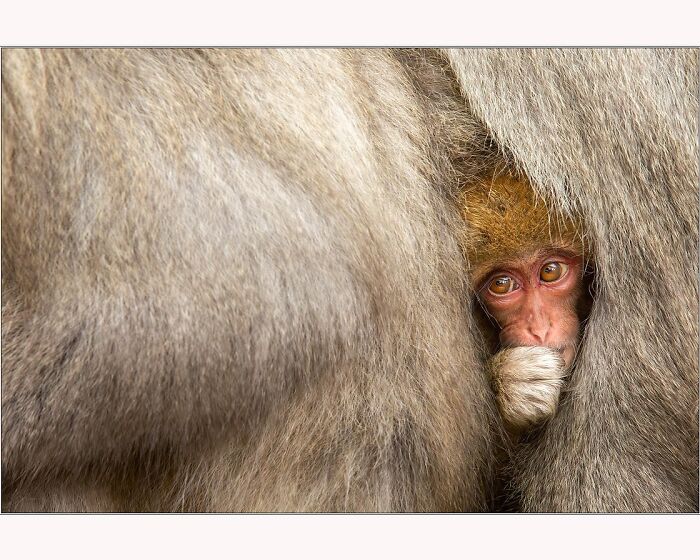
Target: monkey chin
528,381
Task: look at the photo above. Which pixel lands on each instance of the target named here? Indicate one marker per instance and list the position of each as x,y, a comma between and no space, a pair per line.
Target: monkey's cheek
528,384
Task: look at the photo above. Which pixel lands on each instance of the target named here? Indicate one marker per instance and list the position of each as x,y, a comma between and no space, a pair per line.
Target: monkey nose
538,331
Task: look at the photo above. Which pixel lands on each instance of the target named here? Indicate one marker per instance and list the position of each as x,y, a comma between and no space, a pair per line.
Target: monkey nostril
538,333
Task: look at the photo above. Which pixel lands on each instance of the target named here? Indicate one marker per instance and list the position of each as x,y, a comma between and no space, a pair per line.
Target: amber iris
502,285
553,271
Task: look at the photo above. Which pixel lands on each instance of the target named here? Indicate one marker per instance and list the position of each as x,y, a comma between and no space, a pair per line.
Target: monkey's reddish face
533,301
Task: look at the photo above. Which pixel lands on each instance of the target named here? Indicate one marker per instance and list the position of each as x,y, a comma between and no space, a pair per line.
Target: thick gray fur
232,280
613,134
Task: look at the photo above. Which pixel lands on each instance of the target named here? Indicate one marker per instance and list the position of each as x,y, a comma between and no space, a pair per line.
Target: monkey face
533,301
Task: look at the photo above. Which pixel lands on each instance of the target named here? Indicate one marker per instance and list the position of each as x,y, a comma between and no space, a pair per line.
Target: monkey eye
502,285
553,271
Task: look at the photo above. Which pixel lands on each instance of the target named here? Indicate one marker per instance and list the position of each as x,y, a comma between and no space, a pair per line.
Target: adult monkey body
224,275
636,376
232,280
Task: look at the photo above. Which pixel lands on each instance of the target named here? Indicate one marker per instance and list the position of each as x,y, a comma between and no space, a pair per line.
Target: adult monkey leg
612,135
230,283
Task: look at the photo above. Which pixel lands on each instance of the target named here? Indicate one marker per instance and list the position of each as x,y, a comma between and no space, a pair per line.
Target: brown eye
553,271
502,285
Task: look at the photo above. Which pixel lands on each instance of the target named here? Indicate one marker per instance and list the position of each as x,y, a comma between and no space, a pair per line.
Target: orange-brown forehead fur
506,221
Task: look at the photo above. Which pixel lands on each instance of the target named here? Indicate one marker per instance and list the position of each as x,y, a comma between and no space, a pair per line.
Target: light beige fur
232,279
528,381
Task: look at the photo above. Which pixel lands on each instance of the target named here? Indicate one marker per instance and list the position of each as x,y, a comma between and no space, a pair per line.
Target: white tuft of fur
528,381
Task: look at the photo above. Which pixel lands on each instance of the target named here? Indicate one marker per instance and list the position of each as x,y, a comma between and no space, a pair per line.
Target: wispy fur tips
528,381
232,279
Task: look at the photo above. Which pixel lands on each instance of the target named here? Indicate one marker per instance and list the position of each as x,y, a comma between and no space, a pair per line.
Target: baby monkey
528,277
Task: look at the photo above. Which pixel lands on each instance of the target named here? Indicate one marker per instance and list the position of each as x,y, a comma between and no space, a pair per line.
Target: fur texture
231,282
506,220
232,279
527,381
612,135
